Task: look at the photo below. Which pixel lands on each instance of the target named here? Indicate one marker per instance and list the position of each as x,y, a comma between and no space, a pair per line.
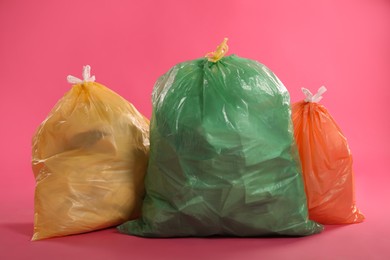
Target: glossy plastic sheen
327,165
89,159
223,160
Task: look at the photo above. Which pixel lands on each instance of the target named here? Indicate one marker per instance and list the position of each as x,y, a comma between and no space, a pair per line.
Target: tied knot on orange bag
326,162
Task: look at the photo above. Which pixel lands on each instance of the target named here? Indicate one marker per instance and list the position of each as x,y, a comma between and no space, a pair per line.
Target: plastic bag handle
86,76
221,50
317,97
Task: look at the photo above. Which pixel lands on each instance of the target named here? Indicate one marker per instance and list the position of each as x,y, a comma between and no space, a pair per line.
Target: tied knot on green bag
218,54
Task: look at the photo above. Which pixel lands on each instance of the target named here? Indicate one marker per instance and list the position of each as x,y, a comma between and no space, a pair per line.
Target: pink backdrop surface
342,44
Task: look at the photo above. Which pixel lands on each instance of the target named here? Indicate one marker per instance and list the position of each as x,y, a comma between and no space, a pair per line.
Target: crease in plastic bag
89,158
223,158
326,163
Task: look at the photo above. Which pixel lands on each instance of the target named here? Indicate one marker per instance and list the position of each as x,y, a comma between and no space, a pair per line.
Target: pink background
343,44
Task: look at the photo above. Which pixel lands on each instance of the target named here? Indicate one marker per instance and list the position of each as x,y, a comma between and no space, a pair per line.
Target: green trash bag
223,159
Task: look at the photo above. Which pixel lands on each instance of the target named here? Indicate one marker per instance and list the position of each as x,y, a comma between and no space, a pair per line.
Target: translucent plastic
89,159
223,157
327,165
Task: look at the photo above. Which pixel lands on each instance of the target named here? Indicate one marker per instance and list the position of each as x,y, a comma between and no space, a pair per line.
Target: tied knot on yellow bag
86,76
89,158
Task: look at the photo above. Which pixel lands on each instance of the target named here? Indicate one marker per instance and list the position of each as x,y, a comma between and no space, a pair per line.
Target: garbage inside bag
223,159
89,158
326,163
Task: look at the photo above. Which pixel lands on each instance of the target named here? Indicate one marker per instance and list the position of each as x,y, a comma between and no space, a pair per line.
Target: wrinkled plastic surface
89,159
223,160
326,164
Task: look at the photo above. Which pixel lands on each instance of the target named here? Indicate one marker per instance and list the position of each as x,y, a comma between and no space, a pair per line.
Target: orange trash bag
89,158
326,163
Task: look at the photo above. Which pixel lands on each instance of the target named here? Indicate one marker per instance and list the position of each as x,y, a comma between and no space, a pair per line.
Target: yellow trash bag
89,158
